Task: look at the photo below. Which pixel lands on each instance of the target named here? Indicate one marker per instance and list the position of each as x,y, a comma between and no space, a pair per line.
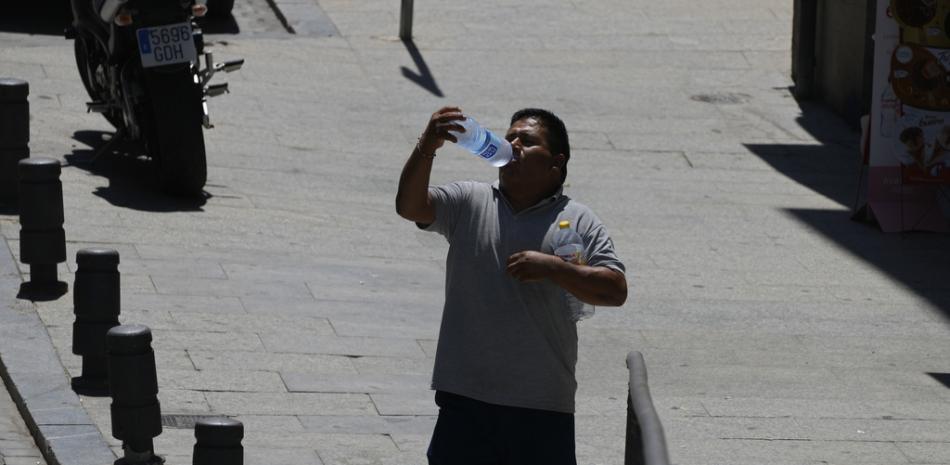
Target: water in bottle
484,143
570,247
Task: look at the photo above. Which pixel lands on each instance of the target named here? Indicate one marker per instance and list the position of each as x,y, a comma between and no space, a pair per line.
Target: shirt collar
549,200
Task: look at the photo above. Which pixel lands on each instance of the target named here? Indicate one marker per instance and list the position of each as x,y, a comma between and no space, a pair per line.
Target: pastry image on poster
923,22
921,76
918,117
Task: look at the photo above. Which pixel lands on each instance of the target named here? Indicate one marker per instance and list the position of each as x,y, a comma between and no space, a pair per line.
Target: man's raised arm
412,198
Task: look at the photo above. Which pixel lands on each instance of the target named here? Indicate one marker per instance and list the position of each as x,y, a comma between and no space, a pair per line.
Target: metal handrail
646,443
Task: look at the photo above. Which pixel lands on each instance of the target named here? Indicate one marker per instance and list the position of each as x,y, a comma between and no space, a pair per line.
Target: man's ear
560,161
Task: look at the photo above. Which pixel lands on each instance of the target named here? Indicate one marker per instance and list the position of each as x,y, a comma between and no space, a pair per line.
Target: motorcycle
139,61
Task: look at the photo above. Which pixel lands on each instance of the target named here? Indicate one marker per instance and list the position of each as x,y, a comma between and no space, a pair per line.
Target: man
504,366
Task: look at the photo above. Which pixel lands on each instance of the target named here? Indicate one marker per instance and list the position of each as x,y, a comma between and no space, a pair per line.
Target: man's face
533,168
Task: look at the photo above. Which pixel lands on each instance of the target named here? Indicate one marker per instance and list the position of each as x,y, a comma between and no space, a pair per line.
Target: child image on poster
923,147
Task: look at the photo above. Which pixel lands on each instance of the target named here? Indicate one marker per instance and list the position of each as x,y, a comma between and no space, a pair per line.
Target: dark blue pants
470,432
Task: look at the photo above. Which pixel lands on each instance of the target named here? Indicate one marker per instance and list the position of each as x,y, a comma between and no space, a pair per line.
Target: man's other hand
532,265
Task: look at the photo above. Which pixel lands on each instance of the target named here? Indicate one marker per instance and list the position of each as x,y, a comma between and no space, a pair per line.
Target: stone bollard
218,442
14,134
136,415
42,239
96,306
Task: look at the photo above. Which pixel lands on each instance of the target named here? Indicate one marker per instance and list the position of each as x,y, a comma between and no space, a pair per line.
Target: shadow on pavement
424,77
919,261
942,378
830,169
42,293
219,25
133,182
45,17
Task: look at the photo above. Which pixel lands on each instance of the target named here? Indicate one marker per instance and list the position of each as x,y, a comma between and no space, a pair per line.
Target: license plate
166,45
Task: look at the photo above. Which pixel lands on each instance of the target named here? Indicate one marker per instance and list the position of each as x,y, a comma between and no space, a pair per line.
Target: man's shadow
133,177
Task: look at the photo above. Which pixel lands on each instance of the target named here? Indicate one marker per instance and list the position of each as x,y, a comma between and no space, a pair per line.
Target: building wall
840,60
838,70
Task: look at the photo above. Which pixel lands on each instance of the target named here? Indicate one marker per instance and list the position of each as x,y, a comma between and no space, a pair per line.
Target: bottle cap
564,224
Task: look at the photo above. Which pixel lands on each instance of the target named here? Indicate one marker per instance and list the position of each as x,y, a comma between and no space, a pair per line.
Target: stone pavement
16,443
775,330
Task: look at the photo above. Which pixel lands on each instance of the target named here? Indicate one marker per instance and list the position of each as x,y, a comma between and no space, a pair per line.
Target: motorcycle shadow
133,178
38,17
219,25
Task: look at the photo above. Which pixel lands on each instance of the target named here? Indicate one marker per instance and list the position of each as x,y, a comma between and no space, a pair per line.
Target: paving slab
389,425
264,456
261,361
368,384
774,328
264,403
277,423
405,403
307,343
16,442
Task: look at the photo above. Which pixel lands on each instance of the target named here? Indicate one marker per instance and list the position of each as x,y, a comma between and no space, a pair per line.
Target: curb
304,18
38,382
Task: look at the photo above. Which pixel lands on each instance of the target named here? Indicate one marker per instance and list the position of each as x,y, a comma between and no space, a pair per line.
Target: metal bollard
136,414
96,306
218,442
14,134
42,239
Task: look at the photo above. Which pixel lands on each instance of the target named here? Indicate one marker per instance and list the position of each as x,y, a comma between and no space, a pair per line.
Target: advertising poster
909,163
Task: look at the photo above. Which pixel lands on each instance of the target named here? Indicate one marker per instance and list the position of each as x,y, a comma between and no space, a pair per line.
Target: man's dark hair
555,129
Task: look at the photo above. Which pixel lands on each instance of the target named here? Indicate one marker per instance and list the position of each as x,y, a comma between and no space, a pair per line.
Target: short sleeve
600,250
448,200
599,247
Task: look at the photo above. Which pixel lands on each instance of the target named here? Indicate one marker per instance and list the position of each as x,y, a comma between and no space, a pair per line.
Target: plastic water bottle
570,247
484,143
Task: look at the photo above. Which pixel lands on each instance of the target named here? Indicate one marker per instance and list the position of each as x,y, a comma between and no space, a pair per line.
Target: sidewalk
16,444
775,330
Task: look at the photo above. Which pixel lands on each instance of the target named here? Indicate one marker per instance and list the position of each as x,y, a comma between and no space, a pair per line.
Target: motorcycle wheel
173,132
90,57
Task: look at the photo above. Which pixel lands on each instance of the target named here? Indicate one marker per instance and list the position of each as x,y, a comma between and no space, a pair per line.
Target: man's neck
521,201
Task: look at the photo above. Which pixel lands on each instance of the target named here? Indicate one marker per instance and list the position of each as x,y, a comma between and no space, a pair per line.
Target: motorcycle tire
173,133
220,8
89,57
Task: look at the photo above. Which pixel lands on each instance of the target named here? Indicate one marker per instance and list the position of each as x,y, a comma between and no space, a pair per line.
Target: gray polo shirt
502,341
